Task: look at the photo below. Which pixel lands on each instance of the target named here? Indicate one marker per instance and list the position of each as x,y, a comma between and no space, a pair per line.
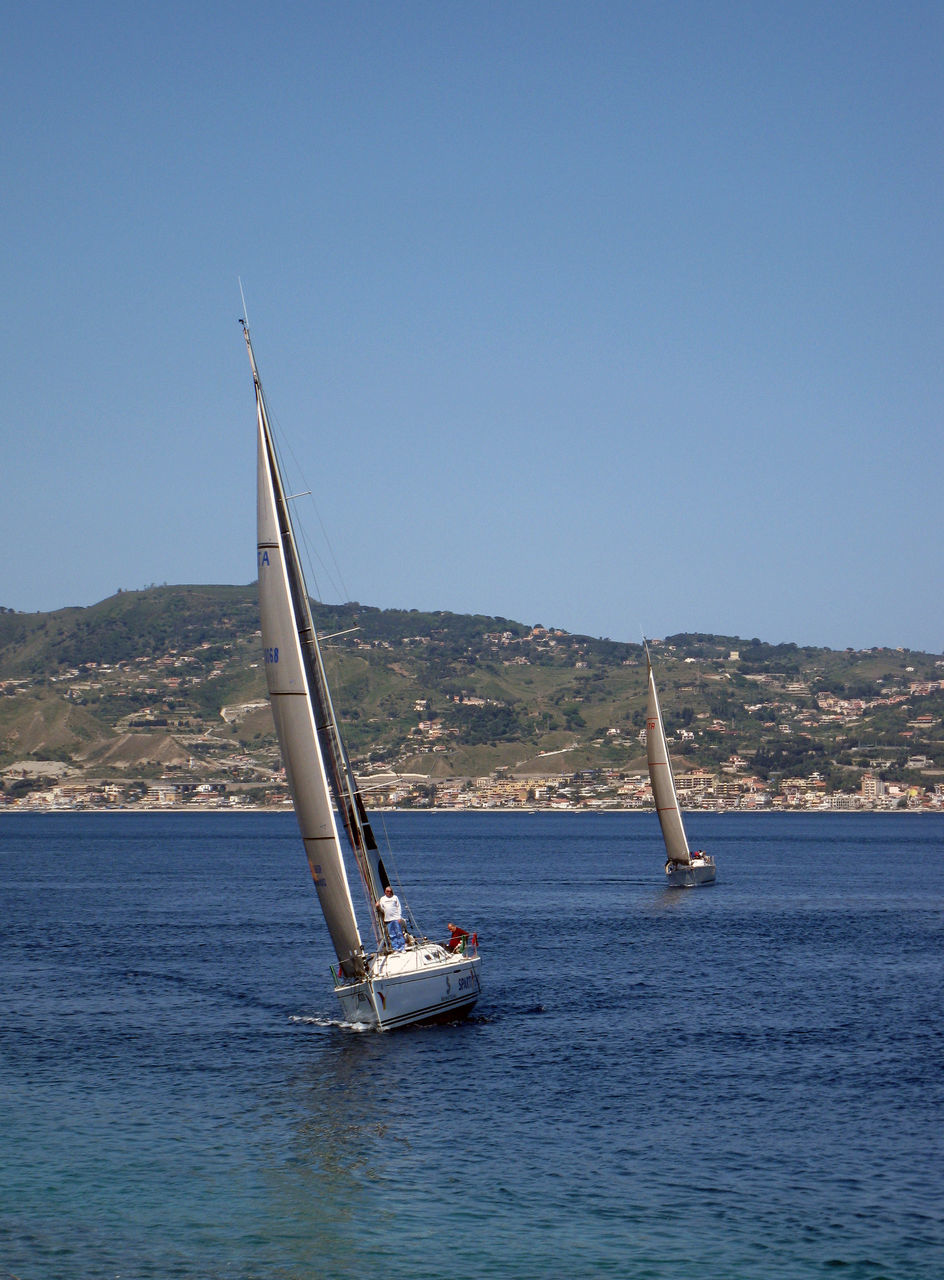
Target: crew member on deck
457,939
389,907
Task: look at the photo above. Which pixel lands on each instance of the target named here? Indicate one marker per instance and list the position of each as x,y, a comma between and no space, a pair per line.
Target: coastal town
589,790
244,781
449,712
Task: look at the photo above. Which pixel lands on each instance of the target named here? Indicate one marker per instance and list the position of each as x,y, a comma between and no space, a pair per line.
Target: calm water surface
736,1082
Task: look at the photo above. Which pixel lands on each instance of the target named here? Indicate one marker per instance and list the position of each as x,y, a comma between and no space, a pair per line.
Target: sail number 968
271,655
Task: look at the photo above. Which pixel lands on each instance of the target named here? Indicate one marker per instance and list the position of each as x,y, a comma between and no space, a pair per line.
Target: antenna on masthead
244,321
244,318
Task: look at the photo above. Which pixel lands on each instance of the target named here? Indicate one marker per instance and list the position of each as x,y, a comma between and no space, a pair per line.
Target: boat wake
311,1021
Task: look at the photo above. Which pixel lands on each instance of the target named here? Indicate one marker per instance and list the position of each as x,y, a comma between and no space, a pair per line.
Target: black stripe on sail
365,822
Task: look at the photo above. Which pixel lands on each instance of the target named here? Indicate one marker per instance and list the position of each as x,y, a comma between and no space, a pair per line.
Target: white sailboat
684,869
381,987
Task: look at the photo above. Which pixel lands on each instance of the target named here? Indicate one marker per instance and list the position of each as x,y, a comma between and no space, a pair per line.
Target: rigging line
333,574
390,861
311,555
313,559
305,545
337,568
335,578
391,855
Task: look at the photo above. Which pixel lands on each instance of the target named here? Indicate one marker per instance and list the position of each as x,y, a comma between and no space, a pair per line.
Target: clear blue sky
606,316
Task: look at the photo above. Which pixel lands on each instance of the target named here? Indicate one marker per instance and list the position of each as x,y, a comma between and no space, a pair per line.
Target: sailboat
403,977
684,869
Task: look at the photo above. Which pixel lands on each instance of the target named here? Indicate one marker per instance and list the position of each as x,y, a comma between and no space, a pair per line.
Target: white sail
405,979
661,779
288,639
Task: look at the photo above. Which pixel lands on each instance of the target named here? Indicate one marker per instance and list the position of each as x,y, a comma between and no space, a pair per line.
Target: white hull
699,871
420,984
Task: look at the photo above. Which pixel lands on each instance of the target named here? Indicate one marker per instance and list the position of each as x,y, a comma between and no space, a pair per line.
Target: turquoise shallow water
742,1081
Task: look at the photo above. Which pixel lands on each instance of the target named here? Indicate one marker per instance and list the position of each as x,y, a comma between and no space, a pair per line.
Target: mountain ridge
168,678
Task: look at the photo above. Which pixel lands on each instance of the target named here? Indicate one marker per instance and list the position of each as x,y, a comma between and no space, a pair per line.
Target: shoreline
235,810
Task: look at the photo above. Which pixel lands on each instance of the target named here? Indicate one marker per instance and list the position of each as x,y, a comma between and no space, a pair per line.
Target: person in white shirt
389,907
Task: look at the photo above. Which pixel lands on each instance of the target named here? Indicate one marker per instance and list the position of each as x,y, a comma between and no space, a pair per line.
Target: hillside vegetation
169,680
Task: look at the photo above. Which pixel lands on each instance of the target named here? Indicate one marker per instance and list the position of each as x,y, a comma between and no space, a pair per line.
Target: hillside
167,682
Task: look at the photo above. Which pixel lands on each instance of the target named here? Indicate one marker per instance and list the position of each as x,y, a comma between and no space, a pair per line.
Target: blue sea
742,1082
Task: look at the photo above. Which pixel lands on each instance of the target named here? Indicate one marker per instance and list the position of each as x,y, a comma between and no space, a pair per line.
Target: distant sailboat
402,980
684,869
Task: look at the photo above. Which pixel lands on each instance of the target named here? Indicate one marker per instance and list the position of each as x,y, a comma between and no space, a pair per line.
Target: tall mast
277,542
660,776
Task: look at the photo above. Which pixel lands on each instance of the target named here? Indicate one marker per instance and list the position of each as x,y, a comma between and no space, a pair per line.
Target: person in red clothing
457,937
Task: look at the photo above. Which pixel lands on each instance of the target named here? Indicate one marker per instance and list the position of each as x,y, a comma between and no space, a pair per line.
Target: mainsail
660,777
316,763
406,978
